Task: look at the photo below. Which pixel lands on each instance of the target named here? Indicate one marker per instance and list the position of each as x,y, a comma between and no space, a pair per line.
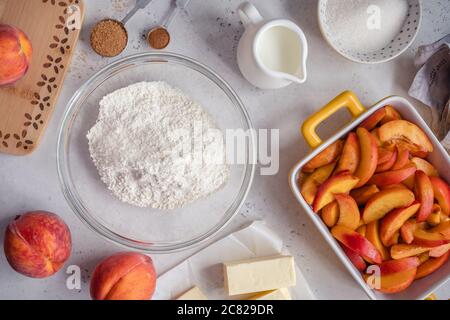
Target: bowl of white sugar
369,31
156,153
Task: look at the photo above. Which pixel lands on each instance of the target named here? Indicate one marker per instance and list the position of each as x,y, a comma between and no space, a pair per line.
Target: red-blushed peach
395,266
428,238
393,176
311,182
124,276
400,251
402,159
373,235
425,166
385,166
431,265
340,183
408,228
363,194
355,258
394,240
386,200
394,220
441,192
384,155
350,156
373,120
424,194
369,156
391,114
356,242
436,252
37,244
402,130
349,215
327,156
15,54
330,214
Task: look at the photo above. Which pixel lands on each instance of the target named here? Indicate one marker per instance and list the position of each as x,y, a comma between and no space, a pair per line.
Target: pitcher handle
249,14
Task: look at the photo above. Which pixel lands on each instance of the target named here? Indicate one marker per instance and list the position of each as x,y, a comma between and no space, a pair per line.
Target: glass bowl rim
64,174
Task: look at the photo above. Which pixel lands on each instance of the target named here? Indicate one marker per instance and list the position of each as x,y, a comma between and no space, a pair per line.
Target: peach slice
402,130
431,265
393,177
340,183
349,215
355,258
330,214
408,228
373,235
435,216
423,257
428,238
376,136
386,200
362,230
394,220
363,194
394,240
350,155
443,228
397,281
442,194
369,156
384,155
373,120
437,252
400,251
396,266
402,158
425,195
388,164
327,156
311,183
425,166
391,114
356,242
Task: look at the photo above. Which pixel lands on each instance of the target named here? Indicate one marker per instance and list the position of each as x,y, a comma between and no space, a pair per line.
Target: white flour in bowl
144,158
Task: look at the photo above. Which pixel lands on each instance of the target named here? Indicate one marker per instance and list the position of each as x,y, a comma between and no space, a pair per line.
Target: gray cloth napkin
431,85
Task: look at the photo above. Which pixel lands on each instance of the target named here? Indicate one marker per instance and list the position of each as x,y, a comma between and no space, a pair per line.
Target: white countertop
210,33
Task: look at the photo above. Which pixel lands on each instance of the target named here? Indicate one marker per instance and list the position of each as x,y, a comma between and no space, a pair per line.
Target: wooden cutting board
26,106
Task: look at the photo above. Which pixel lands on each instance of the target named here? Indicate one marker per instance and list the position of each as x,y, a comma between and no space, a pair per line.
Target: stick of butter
193,294
280,294
261,274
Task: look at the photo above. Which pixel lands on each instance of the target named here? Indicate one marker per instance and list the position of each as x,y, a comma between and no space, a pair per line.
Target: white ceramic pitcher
271,53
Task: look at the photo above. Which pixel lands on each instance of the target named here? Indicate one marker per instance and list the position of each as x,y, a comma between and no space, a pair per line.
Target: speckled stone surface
209,31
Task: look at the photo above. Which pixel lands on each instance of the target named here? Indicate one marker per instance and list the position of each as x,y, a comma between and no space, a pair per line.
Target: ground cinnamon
109,38
158,38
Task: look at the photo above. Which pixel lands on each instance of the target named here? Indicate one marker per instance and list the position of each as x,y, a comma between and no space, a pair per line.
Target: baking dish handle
346,99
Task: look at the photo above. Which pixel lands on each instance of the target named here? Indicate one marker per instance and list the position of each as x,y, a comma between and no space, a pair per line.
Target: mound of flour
154,146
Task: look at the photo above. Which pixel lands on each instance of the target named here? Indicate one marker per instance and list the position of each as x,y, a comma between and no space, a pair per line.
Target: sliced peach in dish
393,176
442,194
330,214
430,266
350,156
356,242
428,238
402,130
386,200
402,158
363,194
384,155
355,258
327,156
395,266
425,166
373,235
394,220
372,121
443,228
436,252
369,156
362,230
408,228
340,183
349,215
400,251
394,240
388,164
423,257
435,216
425,195
391,114
311,183
376,137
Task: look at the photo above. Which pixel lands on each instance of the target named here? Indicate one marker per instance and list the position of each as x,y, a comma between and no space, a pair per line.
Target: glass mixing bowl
145,229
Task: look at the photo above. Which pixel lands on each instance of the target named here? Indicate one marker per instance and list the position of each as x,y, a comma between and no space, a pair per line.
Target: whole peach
37,244
124,276
15,54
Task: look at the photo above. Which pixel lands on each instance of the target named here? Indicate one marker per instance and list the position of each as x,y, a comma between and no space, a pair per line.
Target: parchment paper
204,269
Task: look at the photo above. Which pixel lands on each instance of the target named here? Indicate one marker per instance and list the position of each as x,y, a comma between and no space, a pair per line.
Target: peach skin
391,115
394,220
437,252
425,195
385,166
340,183
350,156
311,183
402,158
330,214
327,156
373,235
396,266
363,194
356,242
372,121
15,54
369,156
393,176
37,244
349,215
425,166
386,200
430,266
384,155
124,276
356,259
441,192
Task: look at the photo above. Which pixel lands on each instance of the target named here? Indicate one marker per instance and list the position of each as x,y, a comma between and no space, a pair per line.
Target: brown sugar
158,38
109,38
